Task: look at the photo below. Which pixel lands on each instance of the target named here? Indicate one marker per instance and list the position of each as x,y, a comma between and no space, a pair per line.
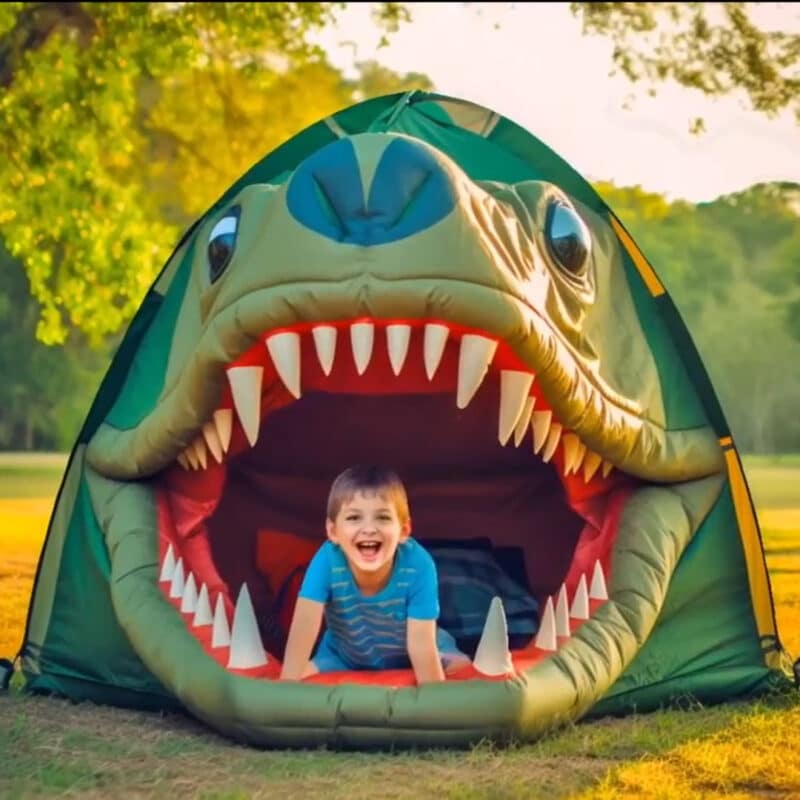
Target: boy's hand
303,632
422,650
456,664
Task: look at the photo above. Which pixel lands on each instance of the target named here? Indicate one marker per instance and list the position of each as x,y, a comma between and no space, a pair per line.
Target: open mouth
369,550
462,419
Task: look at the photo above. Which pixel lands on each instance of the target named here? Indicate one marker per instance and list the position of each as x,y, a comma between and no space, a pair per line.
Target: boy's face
368,529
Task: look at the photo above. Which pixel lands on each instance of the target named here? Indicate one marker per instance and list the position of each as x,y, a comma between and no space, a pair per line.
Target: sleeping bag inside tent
419,282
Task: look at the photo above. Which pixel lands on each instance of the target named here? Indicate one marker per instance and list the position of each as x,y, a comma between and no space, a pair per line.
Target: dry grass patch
23,523
782,548
754,756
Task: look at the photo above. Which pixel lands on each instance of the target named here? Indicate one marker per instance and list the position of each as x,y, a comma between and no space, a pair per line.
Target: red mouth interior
544,528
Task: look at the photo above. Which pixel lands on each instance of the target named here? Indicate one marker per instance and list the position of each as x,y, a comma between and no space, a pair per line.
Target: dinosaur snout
370,190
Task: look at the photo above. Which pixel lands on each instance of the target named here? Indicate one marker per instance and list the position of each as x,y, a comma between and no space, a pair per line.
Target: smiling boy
376,586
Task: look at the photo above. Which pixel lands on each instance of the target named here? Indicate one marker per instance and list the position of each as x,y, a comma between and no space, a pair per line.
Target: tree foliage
108,111
716,48
45,392
733,270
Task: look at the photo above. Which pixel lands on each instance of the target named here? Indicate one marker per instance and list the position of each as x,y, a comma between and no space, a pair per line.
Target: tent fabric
666,541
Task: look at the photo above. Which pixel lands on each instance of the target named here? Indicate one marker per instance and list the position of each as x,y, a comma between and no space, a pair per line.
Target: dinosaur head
387,299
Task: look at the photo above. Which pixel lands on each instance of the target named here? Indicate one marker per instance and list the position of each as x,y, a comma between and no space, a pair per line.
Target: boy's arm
423,651
305,626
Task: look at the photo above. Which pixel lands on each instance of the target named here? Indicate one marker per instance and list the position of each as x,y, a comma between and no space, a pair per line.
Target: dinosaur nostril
409,192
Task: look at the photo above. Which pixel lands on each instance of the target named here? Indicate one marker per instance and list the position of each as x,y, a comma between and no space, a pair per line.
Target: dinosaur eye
567,238
221,243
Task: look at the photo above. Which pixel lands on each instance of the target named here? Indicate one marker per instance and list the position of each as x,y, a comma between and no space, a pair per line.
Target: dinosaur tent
416,281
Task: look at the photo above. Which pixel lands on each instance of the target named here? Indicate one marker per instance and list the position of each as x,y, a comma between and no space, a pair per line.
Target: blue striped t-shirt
369,632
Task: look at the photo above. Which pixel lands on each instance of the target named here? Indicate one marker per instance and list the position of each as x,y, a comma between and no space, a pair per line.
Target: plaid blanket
469,577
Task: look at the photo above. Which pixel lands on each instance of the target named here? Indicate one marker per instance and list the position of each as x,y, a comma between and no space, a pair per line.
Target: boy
376,586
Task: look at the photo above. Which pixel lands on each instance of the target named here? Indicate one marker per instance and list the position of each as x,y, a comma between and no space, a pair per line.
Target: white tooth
607,467
189,599
578,460
246,648
552,441
212,440
598,591
176,589
524,421
514,388
223,421
168,567
325,343
246,389
492,656
199,447
590,465
580,603
541,426
220,634
474,358
435,340
285,351
546,635
191,457
397,337
183,461
202,614
571,444
562,613
362,335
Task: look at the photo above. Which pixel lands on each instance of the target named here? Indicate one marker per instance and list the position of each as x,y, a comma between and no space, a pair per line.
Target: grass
31,474
51,747
773,481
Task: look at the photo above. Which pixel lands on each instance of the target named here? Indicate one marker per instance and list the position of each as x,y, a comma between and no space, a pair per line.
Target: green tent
416,281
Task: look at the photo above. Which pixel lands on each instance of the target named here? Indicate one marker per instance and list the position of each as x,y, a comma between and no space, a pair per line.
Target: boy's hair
368,478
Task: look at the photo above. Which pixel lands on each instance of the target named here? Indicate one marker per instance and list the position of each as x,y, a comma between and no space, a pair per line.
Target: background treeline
732,267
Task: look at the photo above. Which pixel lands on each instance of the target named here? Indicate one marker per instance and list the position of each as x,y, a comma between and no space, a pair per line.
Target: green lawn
774,481
51,747
31,474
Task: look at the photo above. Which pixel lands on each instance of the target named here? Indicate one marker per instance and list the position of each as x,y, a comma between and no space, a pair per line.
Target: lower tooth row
242,637
492,656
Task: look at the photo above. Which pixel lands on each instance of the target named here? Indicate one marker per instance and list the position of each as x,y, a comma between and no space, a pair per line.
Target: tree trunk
34,26
28,443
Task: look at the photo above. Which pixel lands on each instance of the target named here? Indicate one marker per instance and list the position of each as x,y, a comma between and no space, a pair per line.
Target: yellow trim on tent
645,270
726,441
753,554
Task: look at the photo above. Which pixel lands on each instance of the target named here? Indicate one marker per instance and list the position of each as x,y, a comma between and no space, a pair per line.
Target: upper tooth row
516,413
216,436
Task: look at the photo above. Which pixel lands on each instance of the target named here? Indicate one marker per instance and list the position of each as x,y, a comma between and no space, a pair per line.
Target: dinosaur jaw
618,537
462,419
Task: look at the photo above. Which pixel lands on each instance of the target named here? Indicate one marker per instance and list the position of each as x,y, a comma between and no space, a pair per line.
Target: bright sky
536,68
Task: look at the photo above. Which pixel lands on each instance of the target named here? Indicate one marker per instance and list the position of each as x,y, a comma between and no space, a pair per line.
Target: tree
90,91
247,113
716,48
45,391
